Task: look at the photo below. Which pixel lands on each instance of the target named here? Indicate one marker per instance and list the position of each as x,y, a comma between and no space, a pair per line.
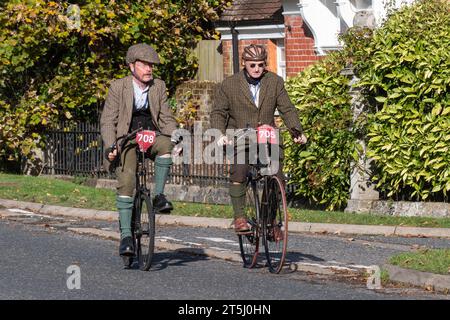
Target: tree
57,59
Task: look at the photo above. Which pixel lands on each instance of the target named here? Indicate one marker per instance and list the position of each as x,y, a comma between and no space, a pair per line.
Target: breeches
126,172
240,167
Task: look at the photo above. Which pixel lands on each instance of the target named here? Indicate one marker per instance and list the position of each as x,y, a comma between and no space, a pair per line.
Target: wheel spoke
249,242
146,239
275,226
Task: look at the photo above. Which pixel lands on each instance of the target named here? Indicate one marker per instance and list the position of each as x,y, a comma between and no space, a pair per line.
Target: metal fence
78,150
74,150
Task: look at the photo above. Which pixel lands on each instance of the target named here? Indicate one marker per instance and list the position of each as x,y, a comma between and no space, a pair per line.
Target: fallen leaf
429,287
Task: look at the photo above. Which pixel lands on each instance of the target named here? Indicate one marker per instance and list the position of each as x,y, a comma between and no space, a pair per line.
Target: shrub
404,68
408,73
321,169
56,64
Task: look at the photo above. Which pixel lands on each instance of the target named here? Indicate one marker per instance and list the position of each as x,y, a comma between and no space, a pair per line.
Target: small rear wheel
275,225
249,241
145,231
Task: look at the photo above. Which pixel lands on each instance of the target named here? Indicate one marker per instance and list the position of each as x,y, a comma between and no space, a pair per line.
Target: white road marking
21,211
32,214
166,239
220,240
341,266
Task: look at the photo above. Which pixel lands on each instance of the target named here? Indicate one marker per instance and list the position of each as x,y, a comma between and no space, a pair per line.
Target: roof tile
252,10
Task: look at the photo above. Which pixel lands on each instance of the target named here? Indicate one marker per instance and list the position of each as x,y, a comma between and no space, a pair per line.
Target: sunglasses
261,65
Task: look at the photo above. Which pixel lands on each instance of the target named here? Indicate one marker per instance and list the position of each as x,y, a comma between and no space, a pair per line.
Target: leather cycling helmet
254,52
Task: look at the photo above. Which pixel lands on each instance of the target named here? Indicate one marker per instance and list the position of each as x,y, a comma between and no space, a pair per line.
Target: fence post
362,190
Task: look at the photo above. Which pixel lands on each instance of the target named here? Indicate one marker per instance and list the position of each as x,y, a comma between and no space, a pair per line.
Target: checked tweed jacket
117,112
234,107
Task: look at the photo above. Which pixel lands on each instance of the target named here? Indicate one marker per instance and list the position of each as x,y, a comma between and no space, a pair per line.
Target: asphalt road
36,254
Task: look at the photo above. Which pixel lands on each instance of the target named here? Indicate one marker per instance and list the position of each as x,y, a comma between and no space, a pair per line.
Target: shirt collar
138,89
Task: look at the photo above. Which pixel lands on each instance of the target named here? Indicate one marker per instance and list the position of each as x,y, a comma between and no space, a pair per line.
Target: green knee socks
162,168
237,195
125,207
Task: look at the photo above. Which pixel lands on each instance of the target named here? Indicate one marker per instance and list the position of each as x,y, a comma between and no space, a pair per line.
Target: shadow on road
162,260
300,257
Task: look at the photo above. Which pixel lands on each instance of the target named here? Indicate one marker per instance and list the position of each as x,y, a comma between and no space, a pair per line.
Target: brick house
295,32
290,45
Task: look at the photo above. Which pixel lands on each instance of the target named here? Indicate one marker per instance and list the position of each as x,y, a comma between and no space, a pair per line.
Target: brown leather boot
241,225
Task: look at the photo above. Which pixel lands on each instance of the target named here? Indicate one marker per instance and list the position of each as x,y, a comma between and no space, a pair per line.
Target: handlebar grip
295,133
109,150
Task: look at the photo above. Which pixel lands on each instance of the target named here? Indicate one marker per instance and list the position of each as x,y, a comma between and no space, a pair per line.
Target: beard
142,78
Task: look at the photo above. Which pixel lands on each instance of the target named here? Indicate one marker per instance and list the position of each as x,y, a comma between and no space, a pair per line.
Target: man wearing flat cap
138,100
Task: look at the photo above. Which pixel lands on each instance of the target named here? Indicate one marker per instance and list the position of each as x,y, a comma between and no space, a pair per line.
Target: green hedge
408,73
404,68
56,64
321,168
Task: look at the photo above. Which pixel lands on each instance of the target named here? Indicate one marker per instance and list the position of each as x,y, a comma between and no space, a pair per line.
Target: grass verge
427,260
74,194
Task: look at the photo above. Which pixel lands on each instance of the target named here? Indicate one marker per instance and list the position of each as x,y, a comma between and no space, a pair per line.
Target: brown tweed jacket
116,116
234,108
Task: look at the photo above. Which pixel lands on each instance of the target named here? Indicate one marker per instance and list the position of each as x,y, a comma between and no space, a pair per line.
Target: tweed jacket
117,112
234,108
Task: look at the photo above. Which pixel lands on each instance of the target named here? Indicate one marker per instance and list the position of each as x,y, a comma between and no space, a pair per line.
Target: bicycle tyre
145,231
249,242
275,225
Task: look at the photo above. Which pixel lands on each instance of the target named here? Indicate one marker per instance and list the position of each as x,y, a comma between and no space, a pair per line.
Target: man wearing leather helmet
138,100
247,99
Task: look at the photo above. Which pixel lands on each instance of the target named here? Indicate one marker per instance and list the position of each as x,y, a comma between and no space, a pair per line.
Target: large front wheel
275,230
145,231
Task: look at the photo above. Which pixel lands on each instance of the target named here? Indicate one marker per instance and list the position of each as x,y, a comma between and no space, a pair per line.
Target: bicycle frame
143,231
266,226
141,188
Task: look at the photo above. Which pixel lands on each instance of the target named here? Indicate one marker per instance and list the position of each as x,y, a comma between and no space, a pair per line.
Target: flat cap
142,52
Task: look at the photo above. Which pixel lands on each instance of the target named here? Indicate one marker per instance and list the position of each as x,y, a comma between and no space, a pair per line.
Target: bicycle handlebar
127,137
131,135
242,133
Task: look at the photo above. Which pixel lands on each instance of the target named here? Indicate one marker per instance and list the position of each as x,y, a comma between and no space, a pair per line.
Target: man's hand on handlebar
301,139
112,155
298,136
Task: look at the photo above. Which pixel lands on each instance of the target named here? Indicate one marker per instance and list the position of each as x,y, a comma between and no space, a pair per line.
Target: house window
281,59
362,4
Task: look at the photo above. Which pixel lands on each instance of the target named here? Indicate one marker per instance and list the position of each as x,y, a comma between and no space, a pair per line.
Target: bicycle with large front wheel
143,214
266,207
